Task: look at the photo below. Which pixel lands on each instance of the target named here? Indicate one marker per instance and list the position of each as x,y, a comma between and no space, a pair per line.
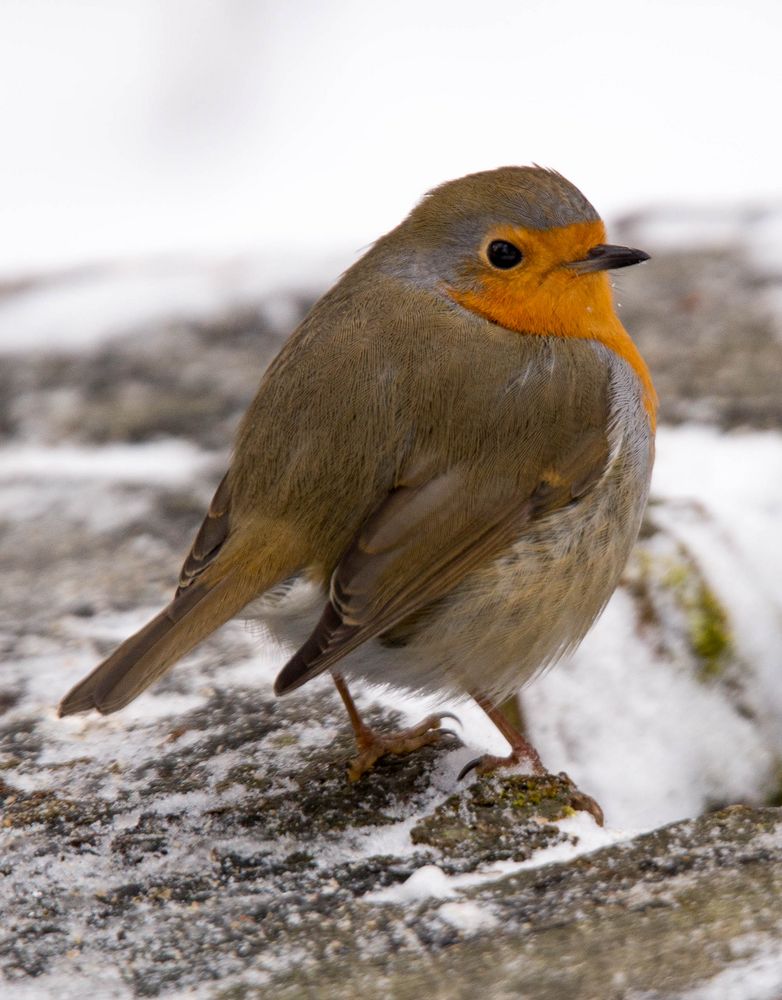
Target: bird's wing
211,590
426,536
210,538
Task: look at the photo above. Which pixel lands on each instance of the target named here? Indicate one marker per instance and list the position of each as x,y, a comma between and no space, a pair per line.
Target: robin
443,471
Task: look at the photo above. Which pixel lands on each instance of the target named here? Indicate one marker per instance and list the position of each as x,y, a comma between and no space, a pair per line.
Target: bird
442,474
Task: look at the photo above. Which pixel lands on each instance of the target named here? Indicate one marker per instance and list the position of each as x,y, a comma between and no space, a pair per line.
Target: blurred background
196,126
180,179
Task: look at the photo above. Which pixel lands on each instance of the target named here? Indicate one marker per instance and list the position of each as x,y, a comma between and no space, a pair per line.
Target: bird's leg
372,746
522,750
511,709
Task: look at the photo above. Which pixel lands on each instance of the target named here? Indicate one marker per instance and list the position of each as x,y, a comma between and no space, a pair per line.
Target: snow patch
430,881
467,917
425,882
78,310
168,463
756,978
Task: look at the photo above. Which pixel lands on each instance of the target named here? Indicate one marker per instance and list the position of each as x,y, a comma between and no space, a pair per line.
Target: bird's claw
470,766
487,763
450,715
372,746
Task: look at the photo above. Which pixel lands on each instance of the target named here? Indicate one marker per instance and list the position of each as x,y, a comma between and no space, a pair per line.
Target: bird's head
520,246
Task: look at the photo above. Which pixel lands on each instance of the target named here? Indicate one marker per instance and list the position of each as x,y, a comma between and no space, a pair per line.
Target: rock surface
228,853
225,850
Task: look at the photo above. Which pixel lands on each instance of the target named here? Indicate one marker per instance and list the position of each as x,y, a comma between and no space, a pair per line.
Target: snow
67,984
169,463
467,917
758,977
754,228
587,836
77,310
426,881
737,480
430,881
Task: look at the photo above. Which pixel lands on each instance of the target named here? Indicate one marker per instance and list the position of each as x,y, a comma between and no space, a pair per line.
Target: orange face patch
542,297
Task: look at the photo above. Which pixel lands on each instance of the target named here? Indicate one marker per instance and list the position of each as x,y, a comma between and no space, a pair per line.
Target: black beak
605,257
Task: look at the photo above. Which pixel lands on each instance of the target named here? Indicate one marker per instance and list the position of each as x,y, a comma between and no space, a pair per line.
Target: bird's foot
523,752
488,764
372,746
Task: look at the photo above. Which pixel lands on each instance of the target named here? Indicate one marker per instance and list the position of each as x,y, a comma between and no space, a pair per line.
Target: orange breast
543,298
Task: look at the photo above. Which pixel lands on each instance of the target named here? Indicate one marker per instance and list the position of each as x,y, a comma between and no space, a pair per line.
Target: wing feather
210,538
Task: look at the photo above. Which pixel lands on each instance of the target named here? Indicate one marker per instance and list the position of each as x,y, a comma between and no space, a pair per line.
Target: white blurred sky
138,126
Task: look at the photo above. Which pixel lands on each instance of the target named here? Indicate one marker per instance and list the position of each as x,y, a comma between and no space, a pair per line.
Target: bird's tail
144,657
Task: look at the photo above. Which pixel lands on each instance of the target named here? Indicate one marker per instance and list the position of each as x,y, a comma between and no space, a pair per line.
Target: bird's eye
503,254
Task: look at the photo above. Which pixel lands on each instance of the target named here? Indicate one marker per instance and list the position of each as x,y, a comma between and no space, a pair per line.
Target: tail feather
144,657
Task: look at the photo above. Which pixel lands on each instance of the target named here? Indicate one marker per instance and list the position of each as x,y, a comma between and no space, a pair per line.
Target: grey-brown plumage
449,502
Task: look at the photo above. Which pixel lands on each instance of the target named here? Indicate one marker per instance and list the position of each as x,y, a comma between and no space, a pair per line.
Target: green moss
502,816
283,740
704,619
677,575
709,632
